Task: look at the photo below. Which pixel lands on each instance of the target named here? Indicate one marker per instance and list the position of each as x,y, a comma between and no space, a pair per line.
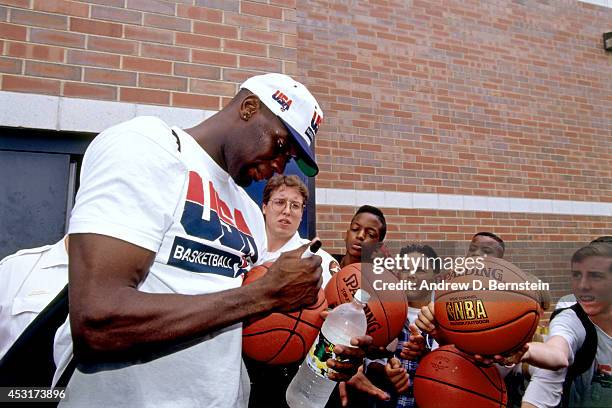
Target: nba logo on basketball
283,100
465,310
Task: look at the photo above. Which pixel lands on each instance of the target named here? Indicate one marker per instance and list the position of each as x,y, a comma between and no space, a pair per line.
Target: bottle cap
362,296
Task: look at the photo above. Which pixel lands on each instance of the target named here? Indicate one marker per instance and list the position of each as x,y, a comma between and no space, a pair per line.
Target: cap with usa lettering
296,108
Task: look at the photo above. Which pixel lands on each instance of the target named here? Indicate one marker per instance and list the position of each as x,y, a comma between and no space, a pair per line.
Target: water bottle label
321,351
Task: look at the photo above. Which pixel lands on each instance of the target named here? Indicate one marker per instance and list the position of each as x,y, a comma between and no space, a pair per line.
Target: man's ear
263,209
250,105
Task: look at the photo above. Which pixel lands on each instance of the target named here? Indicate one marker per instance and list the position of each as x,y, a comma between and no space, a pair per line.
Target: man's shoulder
141,129
565,317
142,123
568,325
24,256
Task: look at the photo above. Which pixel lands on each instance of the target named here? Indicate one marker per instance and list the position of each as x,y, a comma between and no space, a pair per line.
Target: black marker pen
312,249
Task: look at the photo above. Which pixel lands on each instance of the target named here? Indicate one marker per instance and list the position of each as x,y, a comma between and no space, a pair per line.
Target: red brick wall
177,53
462,97
539,243
495,98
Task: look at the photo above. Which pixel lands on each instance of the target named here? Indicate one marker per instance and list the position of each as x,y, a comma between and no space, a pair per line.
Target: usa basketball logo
224,243
283,100
315,122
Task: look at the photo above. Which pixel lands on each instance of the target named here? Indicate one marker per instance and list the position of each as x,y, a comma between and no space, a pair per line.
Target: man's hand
397,375
359,382
415,347
292,281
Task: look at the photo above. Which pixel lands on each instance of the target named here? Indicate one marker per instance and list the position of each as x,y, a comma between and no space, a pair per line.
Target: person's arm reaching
551,355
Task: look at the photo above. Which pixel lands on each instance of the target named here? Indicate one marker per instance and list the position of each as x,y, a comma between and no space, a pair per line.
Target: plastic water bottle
311,386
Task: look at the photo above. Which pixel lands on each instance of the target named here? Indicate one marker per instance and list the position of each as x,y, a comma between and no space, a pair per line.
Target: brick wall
539,243
462,97
496,98
174,53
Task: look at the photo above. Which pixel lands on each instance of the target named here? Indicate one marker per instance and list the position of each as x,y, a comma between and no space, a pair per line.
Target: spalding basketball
490,310
446,377
387,309
281,338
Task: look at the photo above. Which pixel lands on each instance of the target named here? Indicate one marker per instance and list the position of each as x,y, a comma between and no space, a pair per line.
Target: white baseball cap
296,108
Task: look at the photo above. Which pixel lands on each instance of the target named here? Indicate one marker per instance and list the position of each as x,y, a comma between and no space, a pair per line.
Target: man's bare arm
110,317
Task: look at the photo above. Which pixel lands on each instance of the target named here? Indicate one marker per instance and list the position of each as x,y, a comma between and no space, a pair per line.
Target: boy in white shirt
591,281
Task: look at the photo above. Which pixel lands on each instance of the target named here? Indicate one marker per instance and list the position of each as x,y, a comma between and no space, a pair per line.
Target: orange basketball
446,377
488,322
281,338
387,309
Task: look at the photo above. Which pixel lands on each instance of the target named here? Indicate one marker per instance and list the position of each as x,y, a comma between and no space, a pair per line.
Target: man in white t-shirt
161,234
31,278
591,281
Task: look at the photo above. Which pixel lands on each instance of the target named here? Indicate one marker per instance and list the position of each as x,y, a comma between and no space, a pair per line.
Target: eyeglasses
279,204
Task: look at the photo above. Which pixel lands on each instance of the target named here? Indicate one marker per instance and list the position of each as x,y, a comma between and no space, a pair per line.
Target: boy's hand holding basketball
427,322
506,360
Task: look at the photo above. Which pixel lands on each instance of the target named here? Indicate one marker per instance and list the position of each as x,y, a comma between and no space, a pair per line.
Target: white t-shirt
328,263
593,388
566,301
31,278
205,230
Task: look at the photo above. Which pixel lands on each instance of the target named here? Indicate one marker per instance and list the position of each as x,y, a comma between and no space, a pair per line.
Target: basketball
387,309
281,338
448,377
488,322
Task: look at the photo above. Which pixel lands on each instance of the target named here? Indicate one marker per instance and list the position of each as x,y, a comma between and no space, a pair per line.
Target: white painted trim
87,115
603,3
456,202
84,115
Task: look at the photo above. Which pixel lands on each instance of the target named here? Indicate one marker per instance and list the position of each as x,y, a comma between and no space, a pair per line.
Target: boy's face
363,235
482,245
283,212
423,272
592,284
